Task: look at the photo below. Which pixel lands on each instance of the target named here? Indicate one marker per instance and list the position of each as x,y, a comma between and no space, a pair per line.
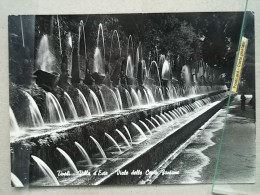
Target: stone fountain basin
43,142
146,155
29,134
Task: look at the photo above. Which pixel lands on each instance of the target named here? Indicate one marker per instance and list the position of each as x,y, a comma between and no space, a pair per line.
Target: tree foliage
212,37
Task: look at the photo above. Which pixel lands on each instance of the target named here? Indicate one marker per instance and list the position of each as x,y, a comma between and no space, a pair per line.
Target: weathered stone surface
44,144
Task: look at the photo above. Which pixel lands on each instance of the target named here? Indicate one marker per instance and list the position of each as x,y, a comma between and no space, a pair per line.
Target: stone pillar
66,65
67,56
140,73
79,56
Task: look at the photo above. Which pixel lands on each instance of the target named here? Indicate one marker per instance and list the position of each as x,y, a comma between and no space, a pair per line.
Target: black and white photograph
131,99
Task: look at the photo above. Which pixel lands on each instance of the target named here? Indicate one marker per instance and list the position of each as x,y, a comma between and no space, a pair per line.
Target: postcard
130,99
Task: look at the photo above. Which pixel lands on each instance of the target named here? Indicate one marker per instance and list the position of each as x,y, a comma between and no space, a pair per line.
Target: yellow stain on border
239,63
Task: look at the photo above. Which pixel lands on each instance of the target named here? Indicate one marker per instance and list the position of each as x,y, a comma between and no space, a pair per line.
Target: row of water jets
46,62
56,114
146,128
54,109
